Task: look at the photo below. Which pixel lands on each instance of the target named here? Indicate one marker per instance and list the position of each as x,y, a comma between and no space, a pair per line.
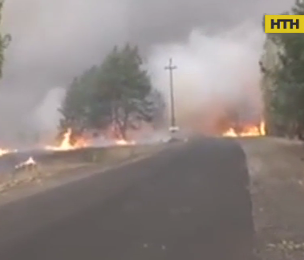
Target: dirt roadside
277,188
52,172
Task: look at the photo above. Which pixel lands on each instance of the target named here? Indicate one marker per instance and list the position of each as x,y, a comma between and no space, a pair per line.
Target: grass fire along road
190,202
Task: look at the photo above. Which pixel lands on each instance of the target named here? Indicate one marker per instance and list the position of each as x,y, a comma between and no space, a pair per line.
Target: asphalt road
185,203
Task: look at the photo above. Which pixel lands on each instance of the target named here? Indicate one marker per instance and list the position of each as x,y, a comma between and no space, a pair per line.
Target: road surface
190,202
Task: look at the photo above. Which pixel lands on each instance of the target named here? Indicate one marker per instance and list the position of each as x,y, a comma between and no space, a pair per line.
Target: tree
157,108
80,104
4,40
286,91
127,87
116,94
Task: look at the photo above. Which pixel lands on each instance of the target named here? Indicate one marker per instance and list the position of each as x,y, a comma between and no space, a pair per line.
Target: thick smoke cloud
53,41
213,73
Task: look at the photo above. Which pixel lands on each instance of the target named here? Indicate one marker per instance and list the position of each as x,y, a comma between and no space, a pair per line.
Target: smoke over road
53,41
215,72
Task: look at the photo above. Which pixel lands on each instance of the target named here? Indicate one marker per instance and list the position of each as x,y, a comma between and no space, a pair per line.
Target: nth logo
284,23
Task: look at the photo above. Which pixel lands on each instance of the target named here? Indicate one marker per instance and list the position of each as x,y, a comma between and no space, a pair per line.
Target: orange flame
66,143
248,131
80,142
4,152
124,142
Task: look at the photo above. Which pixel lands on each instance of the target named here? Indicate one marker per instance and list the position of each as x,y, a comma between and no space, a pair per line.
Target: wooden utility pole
170,67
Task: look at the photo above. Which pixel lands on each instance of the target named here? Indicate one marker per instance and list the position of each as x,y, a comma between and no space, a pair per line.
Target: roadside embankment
54,168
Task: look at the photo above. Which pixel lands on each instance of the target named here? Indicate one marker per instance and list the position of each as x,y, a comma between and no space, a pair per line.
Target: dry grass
68,163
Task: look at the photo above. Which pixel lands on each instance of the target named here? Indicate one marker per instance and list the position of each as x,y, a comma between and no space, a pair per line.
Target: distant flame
4,151
124,142
248,131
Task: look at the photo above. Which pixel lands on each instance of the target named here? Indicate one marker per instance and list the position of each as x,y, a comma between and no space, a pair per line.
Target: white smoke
211,68
56,40
46,116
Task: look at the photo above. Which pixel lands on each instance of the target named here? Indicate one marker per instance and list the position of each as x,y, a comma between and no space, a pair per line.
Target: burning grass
247,131
63,163
67,144
69,153
4,151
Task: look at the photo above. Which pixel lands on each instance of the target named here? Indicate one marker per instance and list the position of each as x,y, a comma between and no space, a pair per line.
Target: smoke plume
215,72
56,40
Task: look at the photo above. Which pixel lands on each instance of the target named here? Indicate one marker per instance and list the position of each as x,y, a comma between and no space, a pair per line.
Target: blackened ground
186,203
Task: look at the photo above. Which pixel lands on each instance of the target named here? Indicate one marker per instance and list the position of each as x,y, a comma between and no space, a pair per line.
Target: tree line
283,81
4,40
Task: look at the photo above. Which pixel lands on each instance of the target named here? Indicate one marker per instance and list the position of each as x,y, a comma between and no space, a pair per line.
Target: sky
55,40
